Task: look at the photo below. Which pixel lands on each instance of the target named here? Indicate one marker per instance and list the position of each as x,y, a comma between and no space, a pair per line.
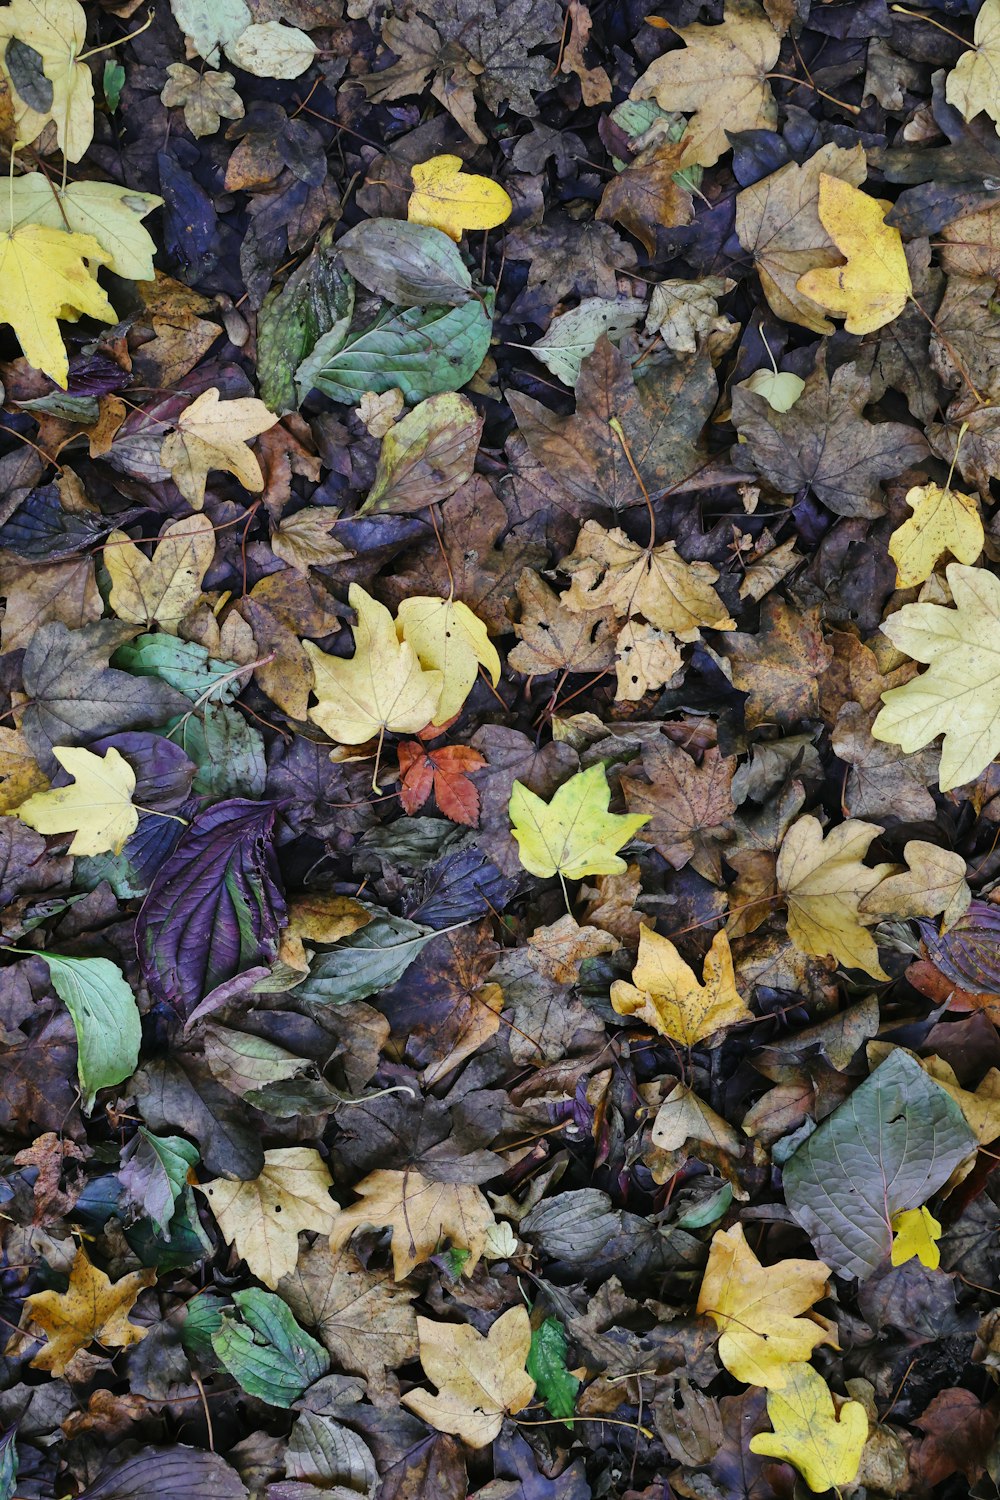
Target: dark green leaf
409,264
266,1351
315,302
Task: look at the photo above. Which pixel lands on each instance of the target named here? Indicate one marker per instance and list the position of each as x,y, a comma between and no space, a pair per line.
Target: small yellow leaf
97,808
213,434
263,1218
665,992
44,276
162,589
972,82
574,834
916,1233
759,1309
874,285
451,200
382,686
824,1447
480,1379
943,520
448,638
92,1307
780,388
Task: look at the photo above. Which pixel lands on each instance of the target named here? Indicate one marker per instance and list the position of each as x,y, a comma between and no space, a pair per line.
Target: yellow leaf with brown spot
91,1308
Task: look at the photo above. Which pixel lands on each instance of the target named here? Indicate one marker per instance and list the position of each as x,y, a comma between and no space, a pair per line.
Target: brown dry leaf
777,221
92,1308
363,1317
480,1380
262,1219
63,591
610,903
595,85
690,804
180,334
971,245
20,774
934,885
610,571
666,993
779,664
560,948
279,609
646,193
823,881
421,1214
686,314
554,638
884,781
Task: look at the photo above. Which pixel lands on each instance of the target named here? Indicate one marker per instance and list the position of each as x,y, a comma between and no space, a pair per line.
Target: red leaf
446,770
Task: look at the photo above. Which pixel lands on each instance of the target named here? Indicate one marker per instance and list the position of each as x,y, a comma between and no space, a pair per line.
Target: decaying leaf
263,1218
92,1308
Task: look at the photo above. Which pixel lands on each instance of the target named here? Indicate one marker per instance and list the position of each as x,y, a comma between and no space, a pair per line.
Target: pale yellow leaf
97,808
263,1218
480,1379
213,434
160,590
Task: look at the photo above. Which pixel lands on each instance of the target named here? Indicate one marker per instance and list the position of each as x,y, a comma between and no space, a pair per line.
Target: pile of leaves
499,809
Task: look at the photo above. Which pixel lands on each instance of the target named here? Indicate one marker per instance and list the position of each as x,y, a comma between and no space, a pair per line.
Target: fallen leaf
574,834
57,31
758,1310
823,880
780,665
778,222
382,686
213,434
207,98
934,885
92,1307
20,776
595,85
306,539
873,287
96,808
480,1379
683,1118
446,773
957,696
448,638
943,521
824,1445
262,1219
446,198
420,1213
646,659
426,456
46,274
648,192
722,75
915,1237
610,571
665,992
971,85
162,589
689,804
554,638
110,214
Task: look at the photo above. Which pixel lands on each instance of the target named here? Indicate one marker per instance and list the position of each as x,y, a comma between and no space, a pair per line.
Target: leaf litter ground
497,764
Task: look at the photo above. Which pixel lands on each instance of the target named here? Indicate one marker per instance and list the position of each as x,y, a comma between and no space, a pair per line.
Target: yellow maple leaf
959,695
44,276
943,520
163,588
915,1237
92,1307
57,31
381,687
449,638
420,1213
934,884
874,285
823,1445
451,200
722,75
971,86
97,808
113,215
823,881
213,434
263,1218
480,1379
665,992
574,834
610,571
759,1309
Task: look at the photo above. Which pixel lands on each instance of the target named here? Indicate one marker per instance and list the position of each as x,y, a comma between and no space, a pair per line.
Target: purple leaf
180,1473
215,908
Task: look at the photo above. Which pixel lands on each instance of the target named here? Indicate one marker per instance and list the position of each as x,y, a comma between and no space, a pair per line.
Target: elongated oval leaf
266,1350
178,1472
215,907
106,1017
420,350
411,264
367,961
893,1143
